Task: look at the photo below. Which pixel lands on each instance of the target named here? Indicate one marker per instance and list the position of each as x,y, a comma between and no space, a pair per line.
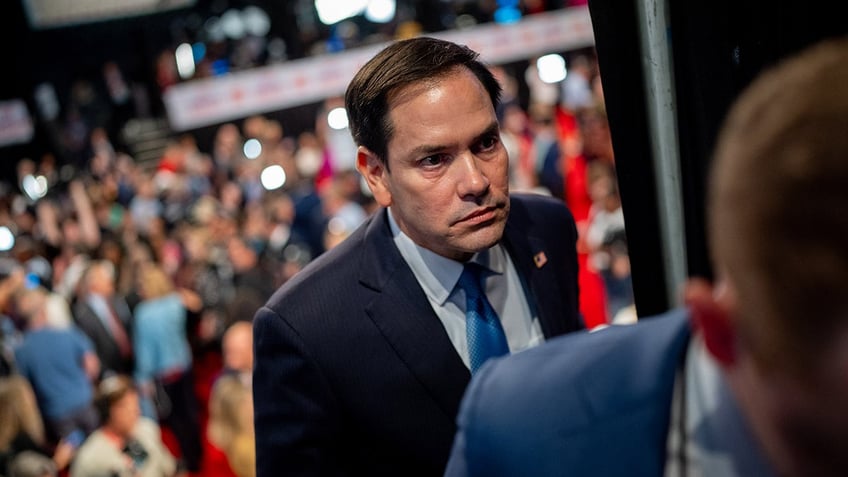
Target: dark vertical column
617,43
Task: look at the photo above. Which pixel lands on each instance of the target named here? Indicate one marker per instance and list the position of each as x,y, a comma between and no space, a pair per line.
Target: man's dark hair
400,64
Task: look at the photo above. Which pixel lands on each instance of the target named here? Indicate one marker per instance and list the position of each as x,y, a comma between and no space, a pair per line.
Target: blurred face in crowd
237,347
124,414
446,174
100,281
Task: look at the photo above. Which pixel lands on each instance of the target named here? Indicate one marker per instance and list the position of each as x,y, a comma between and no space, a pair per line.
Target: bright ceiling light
256,21
252,148
35,187
551,68
273,177
233,24
185,61
337,118
331,12
7,239
380,11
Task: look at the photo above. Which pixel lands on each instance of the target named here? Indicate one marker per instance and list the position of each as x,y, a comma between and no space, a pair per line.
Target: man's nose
472,180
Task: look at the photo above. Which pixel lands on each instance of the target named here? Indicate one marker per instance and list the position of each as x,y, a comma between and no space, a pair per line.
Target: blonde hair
153,281
18,412
231,423
778,202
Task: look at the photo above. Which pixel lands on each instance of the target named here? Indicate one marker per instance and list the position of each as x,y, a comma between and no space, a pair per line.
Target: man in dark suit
362,358
105,318
752,377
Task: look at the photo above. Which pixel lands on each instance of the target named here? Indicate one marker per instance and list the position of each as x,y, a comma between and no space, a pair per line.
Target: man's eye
432,161
488,143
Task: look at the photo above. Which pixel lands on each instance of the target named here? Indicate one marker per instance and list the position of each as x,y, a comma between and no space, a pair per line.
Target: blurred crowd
127,289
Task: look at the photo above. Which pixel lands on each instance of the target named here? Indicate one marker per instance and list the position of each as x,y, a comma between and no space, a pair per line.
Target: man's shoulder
617,360
331,275
582,397
533,201
527,209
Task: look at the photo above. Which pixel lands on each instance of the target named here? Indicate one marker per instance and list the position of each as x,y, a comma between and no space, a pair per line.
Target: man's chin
486,235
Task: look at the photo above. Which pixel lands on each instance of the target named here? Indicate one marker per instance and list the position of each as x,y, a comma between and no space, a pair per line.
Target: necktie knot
471,281
484,333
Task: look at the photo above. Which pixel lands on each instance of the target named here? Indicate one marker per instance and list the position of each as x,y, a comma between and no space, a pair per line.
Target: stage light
185,61
256,21
380,11
252,148
7,239
273,177
551,68
35,187
331,12
337,118
507,11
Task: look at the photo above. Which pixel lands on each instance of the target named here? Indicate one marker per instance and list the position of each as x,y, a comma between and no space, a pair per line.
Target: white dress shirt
438,277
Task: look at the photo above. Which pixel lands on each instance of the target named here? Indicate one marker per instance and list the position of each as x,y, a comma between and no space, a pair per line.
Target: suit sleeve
297,420
462,462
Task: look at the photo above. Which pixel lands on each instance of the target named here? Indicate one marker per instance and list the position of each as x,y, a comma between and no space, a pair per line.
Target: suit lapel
402,313
539,278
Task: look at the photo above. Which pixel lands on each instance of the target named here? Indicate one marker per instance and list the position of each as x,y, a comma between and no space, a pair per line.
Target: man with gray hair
61,366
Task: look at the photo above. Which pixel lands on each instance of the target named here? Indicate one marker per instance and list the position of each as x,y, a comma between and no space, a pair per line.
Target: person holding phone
126,444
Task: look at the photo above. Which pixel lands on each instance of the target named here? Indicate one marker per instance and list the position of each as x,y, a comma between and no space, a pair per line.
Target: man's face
124,414
447,175
802,423
238,348
101,282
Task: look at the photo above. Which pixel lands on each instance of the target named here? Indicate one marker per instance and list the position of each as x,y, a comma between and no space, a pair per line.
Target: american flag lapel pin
540,259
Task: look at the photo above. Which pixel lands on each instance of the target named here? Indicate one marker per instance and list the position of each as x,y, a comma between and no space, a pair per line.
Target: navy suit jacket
355,374
584,404
104,343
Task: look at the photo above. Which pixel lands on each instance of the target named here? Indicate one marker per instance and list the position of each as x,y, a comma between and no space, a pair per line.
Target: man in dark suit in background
105,318
361,358
752,378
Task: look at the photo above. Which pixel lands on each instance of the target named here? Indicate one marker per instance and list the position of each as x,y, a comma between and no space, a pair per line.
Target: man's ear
375,173
711,309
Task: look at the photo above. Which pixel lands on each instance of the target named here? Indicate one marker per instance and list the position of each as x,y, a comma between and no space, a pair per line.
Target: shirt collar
436,274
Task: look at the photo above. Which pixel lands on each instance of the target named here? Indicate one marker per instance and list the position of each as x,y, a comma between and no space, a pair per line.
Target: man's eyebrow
424,149
494,128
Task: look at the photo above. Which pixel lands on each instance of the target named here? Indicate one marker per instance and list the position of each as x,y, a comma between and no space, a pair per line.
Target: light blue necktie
486,338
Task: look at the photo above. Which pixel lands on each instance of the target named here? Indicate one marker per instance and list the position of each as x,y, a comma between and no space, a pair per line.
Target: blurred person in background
231,423
237,351
164,360
251,274
61,366
32,464
605,223
576,89
22,428
126,444
12,278
105,317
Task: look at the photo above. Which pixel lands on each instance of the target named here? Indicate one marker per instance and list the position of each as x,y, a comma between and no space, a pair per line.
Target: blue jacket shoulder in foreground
582,404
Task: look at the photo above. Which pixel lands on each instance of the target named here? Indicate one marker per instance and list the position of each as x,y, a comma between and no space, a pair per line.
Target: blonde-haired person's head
231,423
153,282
